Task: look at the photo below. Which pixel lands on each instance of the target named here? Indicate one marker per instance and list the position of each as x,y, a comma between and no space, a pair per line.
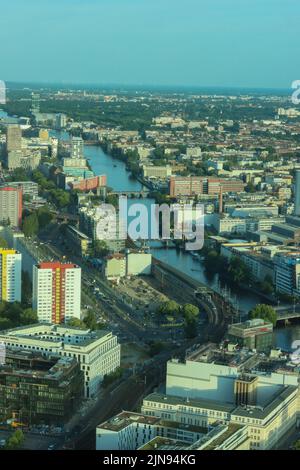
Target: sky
217,43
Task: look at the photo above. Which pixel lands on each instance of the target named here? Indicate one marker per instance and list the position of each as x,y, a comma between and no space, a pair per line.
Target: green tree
31,225
190,312
28,317
250,188
15,441
26,289
90,321
76,323
169,308
100,249
265,312
238,270
44,216
155,348
3,243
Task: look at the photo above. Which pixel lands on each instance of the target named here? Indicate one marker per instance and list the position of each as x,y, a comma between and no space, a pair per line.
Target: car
2,443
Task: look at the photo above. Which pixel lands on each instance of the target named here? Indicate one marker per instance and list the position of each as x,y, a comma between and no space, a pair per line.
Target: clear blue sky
247,43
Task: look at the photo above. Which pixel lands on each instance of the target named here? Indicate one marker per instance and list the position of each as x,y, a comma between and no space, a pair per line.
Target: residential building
10,275
77,148
29,188
56,292
11,206
13,138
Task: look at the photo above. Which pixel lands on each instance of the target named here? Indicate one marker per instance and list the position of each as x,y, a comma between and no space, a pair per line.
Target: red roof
56,265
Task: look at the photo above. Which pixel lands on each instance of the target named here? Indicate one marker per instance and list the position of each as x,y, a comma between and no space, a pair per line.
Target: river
120,180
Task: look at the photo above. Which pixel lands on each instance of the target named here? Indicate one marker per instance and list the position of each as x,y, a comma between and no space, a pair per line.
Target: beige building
156,171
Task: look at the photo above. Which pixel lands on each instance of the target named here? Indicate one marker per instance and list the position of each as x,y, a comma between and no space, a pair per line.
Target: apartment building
11,206
56,292
10,275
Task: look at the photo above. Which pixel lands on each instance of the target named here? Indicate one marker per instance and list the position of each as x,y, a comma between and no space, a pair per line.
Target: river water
120,180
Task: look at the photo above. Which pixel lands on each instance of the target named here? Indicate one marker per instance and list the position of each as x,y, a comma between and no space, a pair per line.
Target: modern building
35,389
97,352
266,424
287,273
252,334
219,437
197,185
129,431
11,206
89,184
61,121
210,372
56,292
10,275
156,171
77,148
13,138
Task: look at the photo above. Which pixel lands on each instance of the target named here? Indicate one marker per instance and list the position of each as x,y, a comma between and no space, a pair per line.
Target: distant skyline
163,43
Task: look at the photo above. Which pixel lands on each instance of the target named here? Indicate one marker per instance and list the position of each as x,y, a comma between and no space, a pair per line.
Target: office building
209,373
197,185
35,389
129,431
219,437
10,275
156,171
97,352
266,424
11,206
252,334
56,292
287,273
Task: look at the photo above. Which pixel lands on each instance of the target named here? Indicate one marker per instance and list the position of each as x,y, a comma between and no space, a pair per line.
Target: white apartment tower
77,148
56,292
10,275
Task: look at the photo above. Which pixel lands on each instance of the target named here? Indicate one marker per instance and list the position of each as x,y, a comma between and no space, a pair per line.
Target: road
35,441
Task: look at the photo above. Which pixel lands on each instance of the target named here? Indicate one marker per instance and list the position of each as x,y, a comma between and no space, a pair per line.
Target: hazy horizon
196,44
